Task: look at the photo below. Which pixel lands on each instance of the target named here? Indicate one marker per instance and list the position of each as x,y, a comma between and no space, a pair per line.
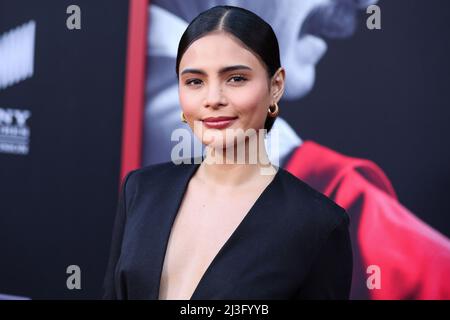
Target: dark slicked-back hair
251,30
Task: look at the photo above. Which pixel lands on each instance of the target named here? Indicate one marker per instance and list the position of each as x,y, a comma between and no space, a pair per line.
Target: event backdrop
364,119
61,105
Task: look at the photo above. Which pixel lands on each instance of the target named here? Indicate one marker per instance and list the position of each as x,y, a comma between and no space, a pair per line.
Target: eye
238,79
190,82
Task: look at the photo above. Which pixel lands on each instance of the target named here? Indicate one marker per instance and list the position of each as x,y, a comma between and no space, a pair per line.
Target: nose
214,97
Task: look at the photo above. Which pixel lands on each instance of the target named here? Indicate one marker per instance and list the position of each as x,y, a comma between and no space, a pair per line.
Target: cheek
189,101
250,103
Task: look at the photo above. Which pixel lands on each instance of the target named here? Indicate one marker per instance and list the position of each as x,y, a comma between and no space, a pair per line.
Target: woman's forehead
217,50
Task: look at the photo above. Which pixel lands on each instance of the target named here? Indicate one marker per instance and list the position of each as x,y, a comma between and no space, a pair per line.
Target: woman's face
219,77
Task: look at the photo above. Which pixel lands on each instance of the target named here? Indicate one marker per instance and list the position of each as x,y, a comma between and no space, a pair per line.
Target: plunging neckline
168,232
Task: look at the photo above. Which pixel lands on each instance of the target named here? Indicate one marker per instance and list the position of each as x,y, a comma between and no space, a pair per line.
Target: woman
223,228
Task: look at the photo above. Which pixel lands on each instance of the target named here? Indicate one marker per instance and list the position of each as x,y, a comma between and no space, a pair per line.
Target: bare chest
203,225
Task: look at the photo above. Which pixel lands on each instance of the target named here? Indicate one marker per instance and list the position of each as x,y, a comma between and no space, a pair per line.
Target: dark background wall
385,95
58,202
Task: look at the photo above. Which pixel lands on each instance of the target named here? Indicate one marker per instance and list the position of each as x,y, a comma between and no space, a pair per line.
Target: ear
277,85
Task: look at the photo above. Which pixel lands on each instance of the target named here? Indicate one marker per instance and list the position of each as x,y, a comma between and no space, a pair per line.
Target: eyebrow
221,71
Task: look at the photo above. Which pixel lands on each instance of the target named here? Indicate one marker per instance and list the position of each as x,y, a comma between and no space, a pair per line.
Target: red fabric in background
133,111
414,259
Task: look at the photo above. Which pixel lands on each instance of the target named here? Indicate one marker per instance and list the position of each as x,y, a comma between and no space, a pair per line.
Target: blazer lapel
160,206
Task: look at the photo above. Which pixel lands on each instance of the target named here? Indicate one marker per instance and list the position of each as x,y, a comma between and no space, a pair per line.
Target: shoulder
310,207
158,171
153,176
313,227
153,170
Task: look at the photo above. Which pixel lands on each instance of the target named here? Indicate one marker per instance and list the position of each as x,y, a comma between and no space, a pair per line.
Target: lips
218,122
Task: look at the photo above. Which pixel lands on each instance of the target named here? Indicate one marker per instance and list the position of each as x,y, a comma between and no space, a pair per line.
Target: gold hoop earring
183,119
274,113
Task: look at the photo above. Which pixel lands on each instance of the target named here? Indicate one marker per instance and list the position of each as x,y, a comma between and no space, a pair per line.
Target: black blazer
294,242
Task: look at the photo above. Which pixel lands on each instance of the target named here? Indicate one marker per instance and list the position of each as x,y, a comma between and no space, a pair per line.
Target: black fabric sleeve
109,287
331,273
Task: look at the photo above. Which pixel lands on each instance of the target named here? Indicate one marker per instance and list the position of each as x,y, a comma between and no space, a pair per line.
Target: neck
226,167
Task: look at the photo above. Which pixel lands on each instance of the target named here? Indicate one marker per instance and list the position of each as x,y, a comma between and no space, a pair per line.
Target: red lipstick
218,122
